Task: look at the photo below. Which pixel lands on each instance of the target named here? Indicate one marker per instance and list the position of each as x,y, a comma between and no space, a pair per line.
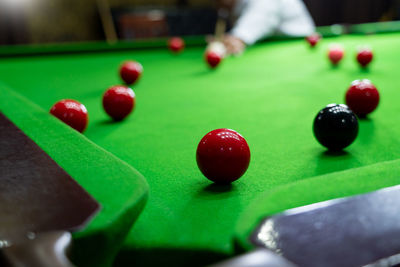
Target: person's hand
233,45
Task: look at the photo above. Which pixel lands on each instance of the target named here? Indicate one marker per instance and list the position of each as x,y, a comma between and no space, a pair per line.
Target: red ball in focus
118,102
364,57
176,44
72,113
313,39
223,155
130,71
335,55
213,59
362,97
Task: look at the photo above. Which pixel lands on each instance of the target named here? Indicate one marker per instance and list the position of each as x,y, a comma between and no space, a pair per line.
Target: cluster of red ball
364,56
336,53
118,101
213,57
223,155
362,97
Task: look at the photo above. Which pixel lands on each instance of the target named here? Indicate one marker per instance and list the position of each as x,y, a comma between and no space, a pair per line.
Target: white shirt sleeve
262,18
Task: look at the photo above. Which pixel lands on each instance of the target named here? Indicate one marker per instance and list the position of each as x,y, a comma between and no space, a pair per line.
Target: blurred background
53,21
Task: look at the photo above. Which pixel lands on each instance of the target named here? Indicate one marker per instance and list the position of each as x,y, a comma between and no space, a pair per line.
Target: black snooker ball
335,126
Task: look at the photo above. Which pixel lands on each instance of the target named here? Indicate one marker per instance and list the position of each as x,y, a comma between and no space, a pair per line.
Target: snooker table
270,95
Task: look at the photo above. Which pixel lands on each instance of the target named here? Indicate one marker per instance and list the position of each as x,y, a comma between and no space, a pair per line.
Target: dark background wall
329,12
49,21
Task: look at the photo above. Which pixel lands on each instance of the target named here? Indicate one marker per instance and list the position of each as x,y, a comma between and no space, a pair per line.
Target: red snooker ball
213,59
130,71
223,156
72,113
335,54
362,97
364,57
313,39
118,102
176,44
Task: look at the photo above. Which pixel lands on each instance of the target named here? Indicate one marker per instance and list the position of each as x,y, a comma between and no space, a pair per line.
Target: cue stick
220,26
107,21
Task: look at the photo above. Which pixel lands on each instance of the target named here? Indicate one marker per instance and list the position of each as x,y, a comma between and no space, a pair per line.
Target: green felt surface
120,189
270,95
